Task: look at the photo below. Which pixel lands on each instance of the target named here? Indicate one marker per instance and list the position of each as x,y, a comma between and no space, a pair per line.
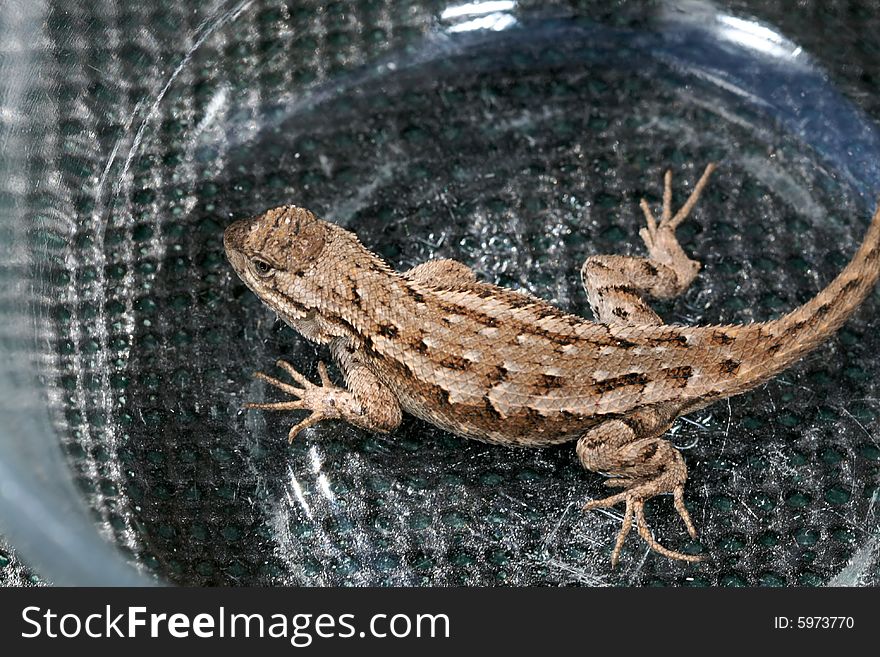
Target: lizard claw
668,221
296,391
325,400
635,508
295,374
293,391
659,236
314,418
322,372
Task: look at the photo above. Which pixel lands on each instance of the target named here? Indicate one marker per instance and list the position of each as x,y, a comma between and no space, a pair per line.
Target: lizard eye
262,268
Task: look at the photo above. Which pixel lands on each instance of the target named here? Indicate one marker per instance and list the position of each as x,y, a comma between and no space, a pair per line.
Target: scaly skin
504,367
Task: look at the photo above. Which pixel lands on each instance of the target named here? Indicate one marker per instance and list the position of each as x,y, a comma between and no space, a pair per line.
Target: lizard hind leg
617,286
659,236
644,465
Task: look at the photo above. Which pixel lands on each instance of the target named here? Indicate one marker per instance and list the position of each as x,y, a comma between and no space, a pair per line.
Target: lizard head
270,252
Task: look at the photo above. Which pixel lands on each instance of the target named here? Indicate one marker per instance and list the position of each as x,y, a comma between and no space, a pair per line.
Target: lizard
505,367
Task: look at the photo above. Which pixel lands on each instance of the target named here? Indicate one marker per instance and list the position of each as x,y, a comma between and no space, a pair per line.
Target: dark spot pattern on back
680,375
719,337
613,383
388,331
728,366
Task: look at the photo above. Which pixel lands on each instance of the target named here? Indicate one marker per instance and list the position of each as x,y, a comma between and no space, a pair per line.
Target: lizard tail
788,338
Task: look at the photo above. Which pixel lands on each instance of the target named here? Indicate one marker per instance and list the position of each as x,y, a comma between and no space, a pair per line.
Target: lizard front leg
364,401
615,284
633,454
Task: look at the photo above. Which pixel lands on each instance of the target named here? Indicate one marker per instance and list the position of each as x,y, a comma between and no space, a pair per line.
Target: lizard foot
324,400
659,236
635,499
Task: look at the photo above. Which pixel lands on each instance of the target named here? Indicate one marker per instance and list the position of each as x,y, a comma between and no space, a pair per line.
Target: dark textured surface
517,155
13,572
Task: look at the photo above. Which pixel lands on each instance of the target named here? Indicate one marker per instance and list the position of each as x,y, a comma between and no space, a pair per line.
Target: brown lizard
505,367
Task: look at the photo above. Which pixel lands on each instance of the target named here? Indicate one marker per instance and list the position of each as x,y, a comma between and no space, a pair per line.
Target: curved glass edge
753,60
41,513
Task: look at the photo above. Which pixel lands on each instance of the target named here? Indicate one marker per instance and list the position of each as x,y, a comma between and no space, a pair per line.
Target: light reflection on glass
477,8
323,482
756,37
298,492
493,15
